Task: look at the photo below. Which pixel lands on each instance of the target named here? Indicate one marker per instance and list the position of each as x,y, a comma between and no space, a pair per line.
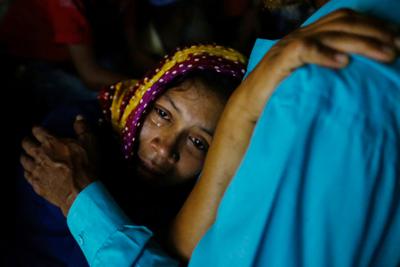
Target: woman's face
176,134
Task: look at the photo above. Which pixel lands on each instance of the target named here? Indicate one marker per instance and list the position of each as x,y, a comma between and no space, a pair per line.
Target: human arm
324,43
57,170
72,30
88,69
107,237
141,59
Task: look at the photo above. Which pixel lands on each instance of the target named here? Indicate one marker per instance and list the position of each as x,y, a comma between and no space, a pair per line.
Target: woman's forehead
192,90
193,107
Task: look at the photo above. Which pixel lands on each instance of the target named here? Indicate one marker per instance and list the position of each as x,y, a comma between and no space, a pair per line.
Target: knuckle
60,165
63,167
308,45
36,151
300,44
42,158
35,174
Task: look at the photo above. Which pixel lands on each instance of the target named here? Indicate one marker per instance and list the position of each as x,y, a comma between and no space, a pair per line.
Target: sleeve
107,237
68,22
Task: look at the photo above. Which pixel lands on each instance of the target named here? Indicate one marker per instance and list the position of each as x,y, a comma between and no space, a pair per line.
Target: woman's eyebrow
172,103
208,131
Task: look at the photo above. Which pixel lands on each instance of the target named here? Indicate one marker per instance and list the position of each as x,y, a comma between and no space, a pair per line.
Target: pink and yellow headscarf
125,103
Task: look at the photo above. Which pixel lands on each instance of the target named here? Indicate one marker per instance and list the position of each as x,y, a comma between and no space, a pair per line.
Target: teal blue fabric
319,184
107,237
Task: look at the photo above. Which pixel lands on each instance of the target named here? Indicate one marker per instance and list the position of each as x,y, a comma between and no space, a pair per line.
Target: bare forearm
90,72
199,210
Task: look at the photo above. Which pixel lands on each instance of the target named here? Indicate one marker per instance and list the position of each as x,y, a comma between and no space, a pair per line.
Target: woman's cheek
146,131
189,166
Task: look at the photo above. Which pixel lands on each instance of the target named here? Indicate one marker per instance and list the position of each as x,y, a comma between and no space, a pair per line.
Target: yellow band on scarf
178,57
120,92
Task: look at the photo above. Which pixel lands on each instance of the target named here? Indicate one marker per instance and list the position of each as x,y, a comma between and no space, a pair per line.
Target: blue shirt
107,237
318,186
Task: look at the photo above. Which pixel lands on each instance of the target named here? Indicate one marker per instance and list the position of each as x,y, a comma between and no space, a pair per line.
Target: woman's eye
199,144
161,113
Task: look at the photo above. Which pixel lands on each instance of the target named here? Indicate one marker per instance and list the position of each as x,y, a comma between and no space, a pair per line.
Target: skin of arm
319,43
200,208
140,58
90,72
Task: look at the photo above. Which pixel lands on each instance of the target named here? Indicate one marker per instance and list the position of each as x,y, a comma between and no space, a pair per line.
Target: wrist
254,92
77,188
69,201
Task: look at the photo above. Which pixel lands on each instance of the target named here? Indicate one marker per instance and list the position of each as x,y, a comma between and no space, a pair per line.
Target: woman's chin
152,179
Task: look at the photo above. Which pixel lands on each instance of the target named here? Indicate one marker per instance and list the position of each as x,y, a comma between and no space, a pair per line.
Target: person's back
41,29
319,183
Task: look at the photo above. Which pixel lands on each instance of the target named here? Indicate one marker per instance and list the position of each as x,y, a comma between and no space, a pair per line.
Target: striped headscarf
125,103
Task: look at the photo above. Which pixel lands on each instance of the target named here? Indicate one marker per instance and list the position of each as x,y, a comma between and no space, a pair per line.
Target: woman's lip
150,167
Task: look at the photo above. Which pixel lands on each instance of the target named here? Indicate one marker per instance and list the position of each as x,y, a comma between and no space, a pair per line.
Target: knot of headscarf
126,103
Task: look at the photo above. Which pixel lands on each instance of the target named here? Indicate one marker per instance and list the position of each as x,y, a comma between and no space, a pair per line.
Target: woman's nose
166,149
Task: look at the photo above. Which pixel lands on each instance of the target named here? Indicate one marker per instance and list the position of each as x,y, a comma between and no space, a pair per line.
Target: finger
366,46
344,12
36,152
29,177
51,145
365,27
27,163
42,135
351,22
314,52
34,182
30,147
43,159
